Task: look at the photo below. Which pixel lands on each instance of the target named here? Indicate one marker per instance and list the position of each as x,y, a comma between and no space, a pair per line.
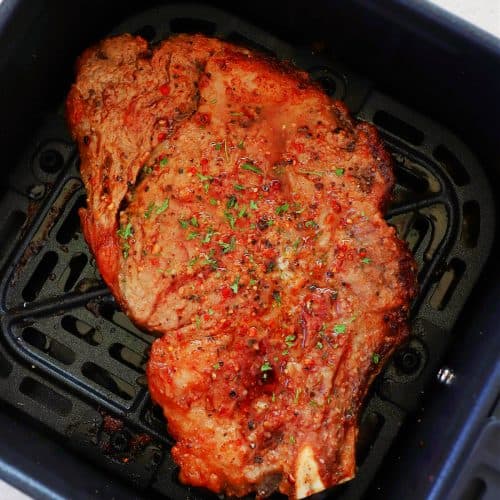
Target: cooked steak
237,210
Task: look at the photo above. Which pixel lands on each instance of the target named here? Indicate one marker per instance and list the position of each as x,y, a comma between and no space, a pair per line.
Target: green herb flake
251,168
163,162
184,223
286,352
282,209
218,146
242,212
193,261
147,170
198,322
208,236
311,224
125,232
213,202
292,439
149,210
163,207
376,358
311,172
277,297
192,235
210,261
217,365
319,345
213,101
339,329
235,286
228,247
230,219
194,221
241,145
273,398
231,202
210,312
314,403
252,282
253,205
339,172
290,340
239,187
266,366
204,177
366,260
236,113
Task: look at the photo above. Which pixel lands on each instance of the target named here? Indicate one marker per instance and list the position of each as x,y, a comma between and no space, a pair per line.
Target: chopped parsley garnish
210,312
319,345
339,328
209,260
366,260
162,207
312,224
193,261
290,340
282,209
266,366
213,201
251,168
198,322
228,247
149,210
235,285
231,202
241,145
239,187
213,101
164,162
217,365
252,282
208,236
242,212
376,358
230,219
147,170
292,439
194,221
204,177
277,297
184,223
253,205
218,146
296,244
125,232
192,235
339,172
311,172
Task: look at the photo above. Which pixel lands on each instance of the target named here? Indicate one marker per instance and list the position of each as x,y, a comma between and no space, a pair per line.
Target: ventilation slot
128,357
447,284
71,274
417,232
11,228
5,366
325,78
107,380
153,417
82,330
370,427
452,165
40,276
45,396
475,490
246,42
188,25
398,127
471,224
49,346
71,224
410,180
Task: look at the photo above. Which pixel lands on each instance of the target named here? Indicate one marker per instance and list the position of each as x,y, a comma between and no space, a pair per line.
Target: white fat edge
307,478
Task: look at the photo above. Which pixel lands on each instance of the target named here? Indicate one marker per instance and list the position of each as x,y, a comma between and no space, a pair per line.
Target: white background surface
483,13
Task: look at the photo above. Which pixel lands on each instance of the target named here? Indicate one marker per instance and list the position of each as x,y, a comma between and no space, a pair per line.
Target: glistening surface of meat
238,211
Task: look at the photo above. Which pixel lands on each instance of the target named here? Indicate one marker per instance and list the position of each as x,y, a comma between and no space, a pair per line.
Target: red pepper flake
155,262
299,147
204,166
202,119
162,136
165,89
226,292
336,207
275,186
192,170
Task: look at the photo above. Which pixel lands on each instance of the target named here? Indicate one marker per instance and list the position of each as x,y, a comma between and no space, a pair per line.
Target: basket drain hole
447,284
71,224
128,357
40,276
82,330
71,274
108,381
398,127
45,396
475,490
5,366
190,25
48,345
471,224
370,427
452,165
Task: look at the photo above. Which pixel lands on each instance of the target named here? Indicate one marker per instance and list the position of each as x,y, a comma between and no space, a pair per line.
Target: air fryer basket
71,360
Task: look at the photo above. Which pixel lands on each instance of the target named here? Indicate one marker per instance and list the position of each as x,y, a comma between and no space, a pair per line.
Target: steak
237,211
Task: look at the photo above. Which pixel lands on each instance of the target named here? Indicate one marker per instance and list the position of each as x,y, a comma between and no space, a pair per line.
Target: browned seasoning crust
237,210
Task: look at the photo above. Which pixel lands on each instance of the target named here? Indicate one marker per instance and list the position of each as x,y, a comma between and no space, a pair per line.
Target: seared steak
236,210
